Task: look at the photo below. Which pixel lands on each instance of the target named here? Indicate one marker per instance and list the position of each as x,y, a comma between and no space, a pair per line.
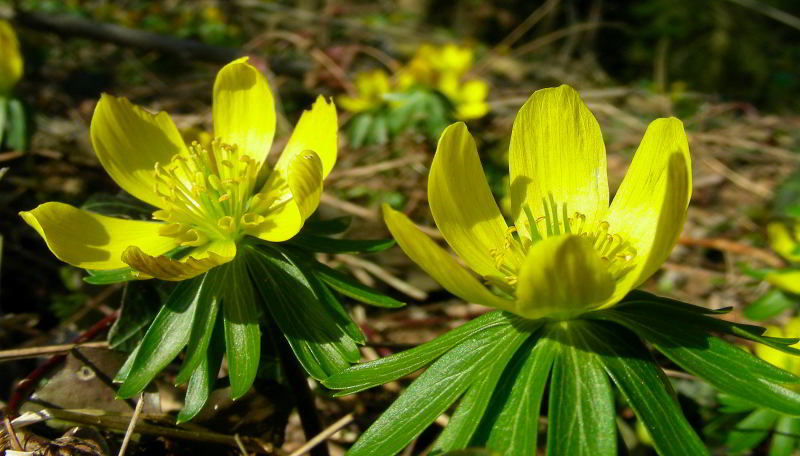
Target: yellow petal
462,204
354,104
316,131
650,207
787,280
294,196
771,355
11,63
438,263
129,141
474,90
243,109
557,152
562,276
197,262
471,110
93,241
782,242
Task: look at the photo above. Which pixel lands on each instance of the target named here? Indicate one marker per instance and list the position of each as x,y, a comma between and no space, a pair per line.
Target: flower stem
304,398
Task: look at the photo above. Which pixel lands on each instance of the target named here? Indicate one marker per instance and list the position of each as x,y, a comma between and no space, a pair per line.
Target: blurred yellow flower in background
785,241
444,69
371,86
11,64
778,358
209,194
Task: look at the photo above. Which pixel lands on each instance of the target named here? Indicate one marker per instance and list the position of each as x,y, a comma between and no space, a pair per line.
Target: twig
72,26
240,444
734,247
129,432
737,178
20,391
120,424
348,207
555,36
728,140
384,275
49,350
12,435
370,170
329,431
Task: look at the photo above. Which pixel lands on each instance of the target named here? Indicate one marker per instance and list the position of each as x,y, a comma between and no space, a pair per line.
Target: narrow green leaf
204,320
645,387
726,367
125,370
772,303
110,276
435,390
324,244
167,336
467,417
358,129
635,297
350,287
327,227
786,436
383,370
511,424
16,126
204,376
581,415
140,304
329,300
242,334
751,431
320,344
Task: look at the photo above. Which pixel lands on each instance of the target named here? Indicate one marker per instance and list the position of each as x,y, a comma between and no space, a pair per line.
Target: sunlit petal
786,280
129,141
562,276
292,199
197,262
93,241
316,131
650,207
557,154
782,242
462,203
438,263
243,109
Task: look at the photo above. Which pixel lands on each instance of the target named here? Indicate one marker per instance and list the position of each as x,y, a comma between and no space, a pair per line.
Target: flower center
206,193
616,252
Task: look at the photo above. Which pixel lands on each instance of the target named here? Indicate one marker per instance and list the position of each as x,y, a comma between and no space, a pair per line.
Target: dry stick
129,432
119,424
49,350
384,275
555,36
12,435
727,245
19,394
537,15
71,26
370,170
329,431
737,178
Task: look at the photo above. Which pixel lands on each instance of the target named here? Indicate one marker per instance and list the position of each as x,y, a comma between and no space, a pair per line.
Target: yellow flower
371,87
786,244
776,357
205,195
11,62
570,252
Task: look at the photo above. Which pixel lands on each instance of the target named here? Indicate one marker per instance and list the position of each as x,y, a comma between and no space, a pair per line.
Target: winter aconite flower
371,87
11,63
445,69
778,358
569,251
784,238
207,197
